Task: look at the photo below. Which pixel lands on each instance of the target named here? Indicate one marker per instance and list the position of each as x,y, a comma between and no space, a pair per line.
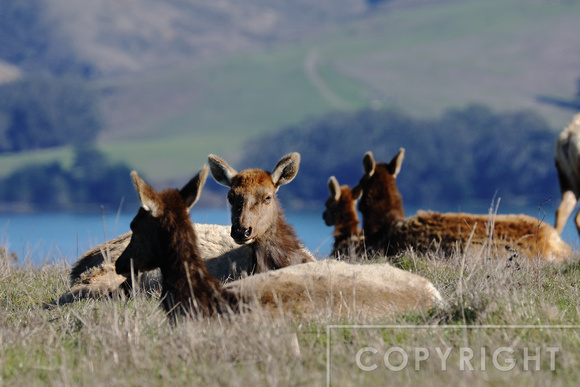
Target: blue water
58,237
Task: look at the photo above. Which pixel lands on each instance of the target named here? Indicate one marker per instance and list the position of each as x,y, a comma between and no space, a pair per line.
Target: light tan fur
568,166
372,290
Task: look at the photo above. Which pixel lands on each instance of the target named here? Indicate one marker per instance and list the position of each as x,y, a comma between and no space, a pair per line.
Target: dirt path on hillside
310,63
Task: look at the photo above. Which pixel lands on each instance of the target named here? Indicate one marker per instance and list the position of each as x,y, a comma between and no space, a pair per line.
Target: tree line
90,181
466,155
41,112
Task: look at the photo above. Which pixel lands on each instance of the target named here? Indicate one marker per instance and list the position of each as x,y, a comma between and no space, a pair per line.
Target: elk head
160,216
381,203
341,203
252,195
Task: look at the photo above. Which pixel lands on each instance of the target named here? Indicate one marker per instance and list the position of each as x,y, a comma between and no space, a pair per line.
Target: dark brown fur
381,204
256,215
387,230
164,236
341,213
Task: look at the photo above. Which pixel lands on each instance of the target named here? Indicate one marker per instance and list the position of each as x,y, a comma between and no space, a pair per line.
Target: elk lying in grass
386,229
341,213
568,166
257,217
94,274
165,238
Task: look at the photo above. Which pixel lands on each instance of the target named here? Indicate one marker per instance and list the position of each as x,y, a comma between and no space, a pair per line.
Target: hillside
422,59
169,113
129,36
466,157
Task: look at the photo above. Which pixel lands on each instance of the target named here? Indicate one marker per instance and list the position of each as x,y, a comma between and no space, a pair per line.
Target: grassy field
501,320
423,59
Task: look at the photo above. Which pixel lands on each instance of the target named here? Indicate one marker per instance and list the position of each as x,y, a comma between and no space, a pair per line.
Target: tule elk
94,274
386,228
341,213
163,234
257,217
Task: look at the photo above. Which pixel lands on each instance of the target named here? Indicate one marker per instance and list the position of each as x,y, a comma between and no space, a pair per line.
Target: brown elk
256,215
341,213
164,237
94,275
386,229
568,165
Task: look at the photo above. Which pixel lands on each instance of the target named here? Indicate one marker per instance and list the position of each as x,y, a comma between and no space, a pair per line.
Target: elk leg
565,209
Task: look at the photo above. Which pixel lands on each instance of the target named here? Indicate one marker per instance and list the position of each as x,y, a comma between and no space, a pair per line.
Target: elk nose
241,234
120,267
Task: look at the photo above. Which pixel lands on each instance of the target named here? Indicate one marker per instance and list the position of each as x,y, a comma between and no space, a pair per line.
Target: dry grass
130,342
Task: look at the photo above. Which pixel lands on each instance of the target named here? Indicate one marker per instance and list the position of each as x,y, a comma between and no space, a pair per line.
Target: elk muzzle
123,263
328,218
242,235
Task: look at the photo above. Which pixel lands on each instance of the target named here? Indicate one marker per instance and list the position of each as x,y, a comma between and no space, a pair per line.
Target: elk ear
369,164
286,169
357,192
396,162
192,190
147,195
221,171
334,188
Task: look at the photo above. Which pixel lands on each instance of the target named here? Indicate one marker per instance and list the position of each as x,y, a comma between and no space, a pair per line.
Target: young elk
163,235
95,273
341,213
257,218
386,229
568,166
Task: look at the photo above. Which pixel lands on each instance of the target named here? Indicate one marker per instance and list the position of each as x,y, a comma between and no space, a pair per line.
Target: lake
63,237
56,237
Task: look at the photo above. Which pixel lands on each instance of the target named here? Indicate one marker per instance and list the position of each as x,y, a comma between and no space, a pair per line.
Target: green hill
423,58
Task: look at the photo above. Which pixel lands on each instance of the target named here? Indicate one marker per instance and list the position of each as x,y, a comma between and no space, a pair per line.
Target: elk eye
267,199
231,198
